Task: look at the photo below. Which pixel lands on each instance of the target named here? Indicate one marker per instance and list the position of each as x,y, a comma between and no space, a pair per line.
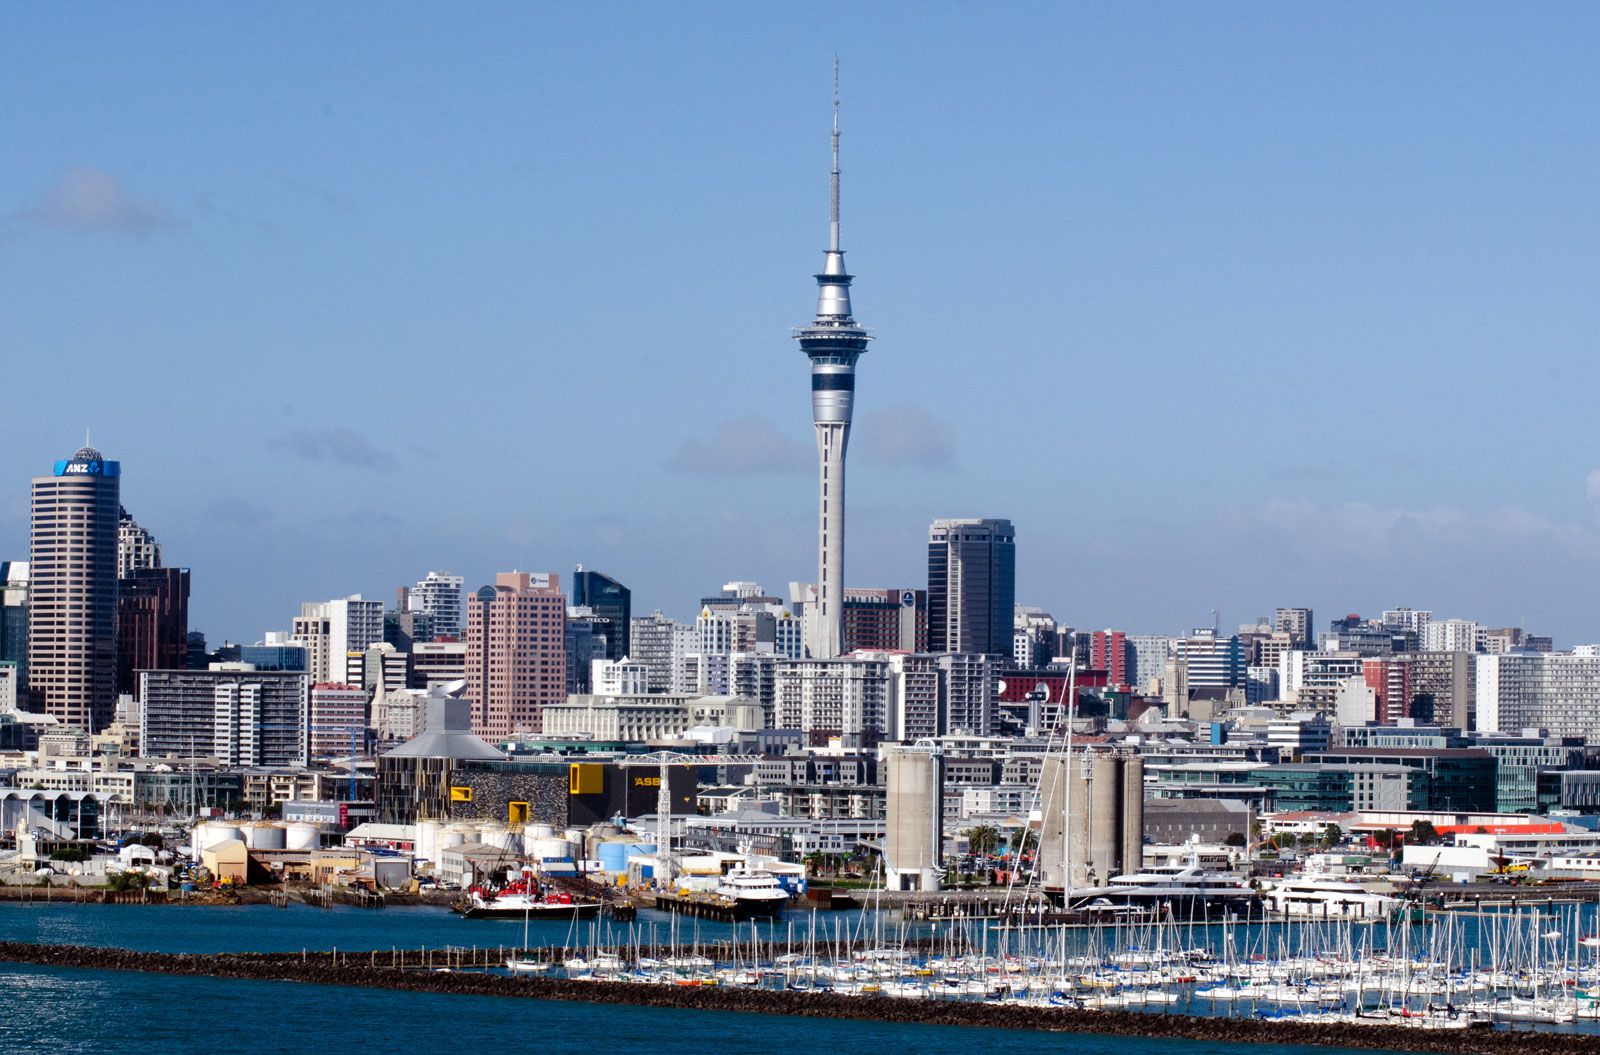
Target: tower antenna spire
833,210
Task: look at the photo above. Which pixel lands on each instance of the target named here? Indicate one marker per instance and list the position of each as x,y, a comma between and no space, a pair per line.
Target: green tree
1332,835
1234,839
1423,833
983,840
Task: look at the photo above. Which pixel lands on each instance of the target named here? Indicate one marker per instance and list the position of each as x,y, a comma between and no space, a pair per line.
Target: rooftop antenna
833,211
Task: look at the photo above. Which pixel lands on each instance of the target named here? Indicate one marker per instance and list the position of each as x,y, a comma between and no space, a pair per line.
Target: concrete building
1150,655
516,653
438,596
137,548
915,697
1297,623
967,699
436,663
1444,688
239,716
1452,635
846,698
832,342
1111,651
885,620
656,641
331,630
1555,691
338,719
72,623
972,572
913,847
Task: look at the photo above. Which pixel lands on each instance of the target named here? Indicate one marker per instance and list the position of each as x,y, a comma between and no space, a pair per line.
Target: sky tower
833,342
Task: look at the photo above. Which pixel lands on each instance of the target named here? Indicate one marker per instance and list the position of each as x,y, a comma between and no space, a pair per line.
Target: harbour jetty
470,972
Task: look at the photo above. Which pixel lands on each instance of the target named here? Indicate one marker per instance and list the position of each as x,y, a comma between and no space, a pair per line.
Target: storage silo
303,836
1132,814
1054,801
913,846
207,834
265,835
1105,805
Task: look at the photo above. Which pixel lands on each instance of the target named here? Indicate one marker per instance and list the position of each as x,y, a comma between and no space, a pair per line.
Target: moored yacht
752,892
1172,891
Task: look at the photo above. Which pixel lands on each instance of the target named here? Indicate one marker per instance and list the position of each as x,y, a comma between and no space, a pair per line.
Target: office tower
238,716
437,663
14,621
275,653
72,622
516,653
972,585
152,623
338,720
833,342
438,595
1210,662
137,548
1150,655
331,630
610,603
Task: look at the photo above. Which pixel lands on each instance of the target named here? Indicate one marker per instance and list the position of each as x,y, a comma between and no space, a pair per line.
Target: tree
1332,835
1423,833
1024,841
983,840
1234,839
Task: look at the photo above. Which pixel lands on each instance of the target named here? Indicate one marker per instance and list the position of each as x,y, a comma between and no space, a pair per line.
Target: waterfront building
72,622
967,700
239,716
972,571
516,652
914,697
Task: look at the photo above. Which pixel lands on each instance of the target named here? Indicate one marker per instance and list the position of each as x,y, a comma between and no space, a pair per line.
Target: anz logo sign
88,468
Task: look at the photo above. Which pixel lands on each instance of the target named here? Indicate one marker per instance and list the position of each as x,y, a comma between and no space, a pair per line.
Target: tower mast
833,341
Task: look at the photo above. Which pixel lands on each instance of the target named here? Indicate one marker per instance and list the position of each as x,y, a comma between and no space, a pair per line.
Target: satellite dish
1000,687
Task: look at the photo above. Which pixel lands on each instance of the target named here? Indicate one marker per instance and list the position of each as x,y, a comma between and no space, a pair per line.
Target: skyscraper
972,586
833,342
14,620
516,653
152,623
72,626
610,602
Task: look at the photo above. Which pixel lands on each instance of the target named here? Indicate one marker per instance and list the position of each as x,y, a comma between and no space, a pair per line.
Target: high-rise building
239,716
437,663
331,630
587,640
833,342
438,595
610,604
72,622
137,548
846,698
14,621
1033,637
516,653
1296,622
1443,688
657,640
152,623
967,698
1110,651
1452,635
972,586
1555,691
404,628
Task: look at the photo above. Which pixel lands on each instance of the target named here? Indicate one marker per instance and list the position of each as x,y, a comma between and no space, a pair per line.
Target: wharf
700,906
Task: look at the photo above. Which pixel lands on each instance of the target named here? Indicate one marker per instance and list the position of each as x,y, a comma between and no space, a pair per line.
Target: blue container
614,856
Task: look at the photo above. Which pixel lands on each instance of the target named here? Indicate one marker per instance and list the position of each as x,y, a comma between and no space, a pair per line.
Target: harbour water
83,1011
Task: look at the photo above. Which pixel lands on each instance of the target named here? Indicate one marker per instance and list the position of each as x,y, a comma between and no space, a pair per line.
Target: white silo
265,835
303,836
1105,804
913,846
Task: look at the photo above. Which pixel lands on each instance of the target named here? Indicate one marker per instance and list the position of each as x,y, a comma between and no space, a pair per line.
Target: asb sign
90,468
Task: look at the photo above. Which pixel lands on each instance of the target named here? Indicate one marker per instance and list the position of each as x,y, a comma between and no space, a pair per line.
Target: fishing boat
526,898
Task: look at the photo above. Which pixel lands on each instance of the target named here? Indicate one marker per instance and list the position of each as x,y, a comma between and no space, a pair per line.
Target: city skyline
1294,400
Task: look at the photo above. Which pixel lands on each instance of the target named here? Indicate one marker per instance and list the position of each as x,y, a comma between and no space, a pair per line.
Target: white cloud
747,446
91,200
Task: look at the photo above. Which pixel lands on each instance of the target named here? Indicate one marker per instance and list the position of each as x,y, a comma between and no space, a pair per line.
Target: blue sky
1226,307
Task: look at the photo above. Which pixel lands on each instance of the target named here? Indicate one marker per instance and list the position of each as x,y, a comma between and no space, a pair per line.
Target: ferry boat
1329,897
525,898
752,893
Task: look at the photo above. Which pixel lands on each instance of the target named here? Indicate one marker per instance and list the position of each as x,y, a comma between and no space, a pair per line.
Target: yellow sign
647,782
586,778
516,813
460,794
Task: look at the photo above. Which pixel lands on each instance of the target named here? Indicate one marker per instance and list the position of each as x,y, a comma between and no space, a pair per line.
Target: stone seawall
375,969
